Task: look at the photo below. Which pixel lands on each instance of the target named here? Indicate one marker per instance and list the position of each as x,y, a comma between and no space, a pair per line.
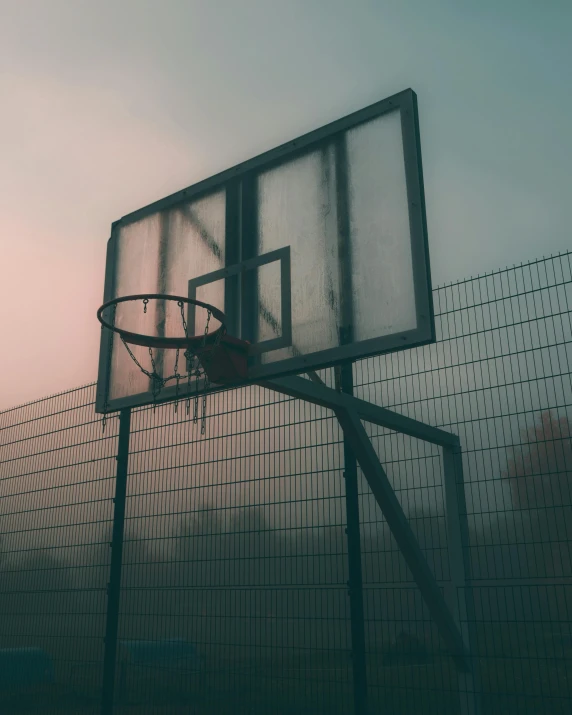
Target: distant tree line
231,582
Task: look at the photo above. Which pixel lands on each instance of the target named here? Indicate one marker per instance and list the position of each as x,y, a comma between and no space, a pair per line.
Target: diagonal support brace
383,492
320,394
350,411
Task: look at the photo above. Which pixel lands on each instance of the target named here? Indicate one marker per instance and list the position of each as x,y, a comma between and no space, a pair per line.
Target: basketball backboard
315,251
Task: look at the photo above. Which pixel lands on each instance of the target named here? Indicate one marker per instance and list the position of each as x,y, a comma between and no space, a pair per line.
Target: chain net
195,373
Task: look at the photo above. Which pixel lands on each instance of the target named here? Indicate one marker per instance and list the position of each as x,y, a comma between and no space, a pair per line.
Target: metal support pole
355,583
346,385
114,585
460,594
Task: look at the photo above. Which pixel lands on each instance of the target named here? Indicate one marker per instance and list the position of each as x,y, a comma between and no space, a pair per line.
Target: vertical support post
346,385
114,585
459,593
355,582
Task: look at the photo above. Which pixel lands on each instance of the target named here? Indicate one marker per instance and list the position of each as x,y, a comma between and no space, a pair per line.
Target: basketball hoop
213,357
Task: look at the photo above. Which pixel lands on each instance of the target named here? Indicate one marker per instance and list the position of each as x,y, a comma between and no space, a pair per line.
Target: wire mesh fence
499,377
56,476
234,590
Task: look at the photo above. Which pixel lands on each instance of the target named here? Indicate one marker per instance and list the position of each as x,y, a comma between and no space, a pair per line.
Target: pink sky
108,106
84,159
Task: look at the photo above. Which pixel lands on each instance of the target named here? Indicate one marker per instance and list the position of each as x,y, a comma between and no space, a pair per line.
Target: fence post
460,591
355,583
114,585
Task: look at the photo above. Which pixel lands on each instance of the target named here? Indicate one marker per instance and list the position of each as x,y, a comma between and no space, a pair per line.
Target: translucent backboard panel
269,302
296,208
315,251
383,294
158,254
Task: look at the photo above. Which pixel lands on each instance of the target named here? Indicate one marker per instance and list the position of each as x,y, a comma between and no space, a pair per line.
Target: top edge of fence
507,269
46,398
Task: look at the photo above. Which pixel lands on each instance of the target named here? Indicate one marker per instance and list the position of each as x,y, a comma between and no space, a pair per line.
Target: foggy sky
106,106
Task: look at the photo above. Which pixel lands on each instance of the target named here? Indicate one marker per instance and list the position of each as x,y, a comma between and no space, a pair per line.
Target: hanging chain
204,414
196,374
157,382
181,308
177,375
206,383
207,328
188,357
177,378
146,372
194,369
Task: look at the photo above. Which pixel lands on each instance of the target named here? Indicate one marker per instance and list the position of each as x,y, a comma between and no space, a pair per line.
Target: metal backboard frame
239,184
